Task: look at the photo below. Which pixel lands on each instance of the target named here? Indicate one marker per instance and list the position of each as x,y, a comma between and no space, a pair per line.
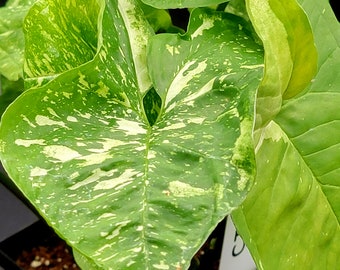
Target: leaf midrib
145,248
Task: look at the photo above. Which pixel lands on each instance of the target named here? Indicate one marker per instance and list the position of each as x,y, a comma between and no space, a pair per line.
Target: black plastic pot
15,216
34,235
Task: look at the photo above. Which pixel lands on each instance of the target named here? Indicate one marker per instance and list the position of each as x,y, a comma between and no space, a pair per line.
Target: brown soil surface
52,253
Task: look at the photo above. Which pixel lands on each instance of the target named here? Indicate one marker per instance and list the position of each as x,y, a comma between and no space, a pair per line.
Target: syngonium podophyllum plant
134,145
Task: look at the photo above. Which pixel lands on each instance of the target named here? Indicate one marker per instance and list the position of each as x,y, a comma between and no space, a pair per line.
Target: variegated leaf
290,219
12,38
136,178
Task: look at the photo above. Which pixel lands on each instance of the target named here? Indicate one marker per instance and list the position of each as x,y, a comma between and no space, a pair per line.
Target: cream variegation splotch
124,191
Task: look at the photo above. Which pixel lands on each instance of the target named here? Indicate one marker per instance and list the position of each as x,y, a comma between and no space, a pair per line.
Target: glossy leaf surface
12,38
133,175
291,217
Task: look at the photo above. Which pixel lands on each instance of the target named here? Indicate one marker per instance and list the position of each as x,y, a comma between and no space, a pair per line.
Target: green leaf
68,38
17,3
159,19
165,4
12,39
291,216
238,7
290,59
84,262
134,176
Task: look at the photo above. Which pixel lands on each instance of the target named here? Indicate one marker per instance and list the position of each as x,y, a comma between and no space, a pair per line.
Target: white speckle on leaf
103,91
180,189
140,148
96,158
131,127
174,126
119,225
122,180
137,249
81,144
172,49
28,121
161,266
107,216
206,25
151,154
60,152
38,172
196,120
67,95
252,66
101,249
28,143
83,115
187,137
104,234
183,77
122,73
82,80
108,144
206,88
271,132
71,119
52,112
94,177
74,175
45,121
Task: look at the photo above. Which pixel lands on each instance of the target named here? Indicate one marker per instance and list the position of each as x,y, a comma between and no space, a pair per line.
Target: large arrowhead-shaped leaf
290,220
133,177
